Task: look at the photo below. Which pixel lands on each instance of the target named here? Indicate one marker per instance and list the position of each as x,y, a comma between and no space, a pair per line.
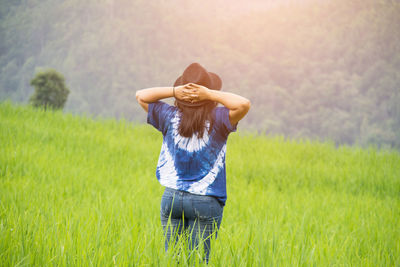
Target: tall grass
76,191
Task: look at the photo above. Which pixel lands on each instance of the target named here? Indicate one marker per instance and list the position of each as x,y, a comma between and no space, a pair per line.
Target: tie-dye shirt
195,165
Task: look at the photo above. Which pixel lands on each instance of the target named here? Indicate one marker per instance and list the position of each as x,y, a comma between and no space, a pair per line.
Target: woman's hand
195,92
181,93
191,92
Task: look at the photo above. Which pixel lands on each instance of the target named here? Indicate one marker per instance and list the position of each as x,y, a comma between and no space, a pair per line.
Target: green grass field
81,192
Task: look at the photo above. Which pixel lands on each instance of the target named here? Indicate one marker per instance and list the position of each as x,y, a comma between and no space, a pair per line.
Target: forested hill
315,69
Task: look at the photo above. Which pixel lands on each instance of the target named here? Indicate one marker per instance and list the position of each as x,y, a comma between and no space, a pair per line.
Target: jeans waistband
176,192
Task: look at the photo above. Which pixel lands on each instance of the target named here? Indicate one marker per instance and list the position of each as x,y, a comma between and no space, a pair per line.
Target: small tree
50,90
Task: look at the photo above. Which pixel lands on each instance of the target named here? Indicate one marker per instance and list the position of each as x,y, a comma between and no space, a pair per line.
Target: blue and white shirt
195,165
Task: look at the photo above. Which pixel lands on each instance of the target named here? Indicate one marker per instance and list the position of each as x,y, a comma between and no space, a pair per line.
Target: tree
50,90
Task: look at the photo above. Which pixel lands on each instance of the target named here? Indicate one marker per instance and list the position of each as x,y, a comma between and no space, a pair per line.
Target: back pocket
207,209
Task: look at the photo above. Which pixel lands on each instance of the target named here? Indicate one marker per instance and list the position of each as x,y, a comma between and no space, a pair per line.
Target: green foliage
50,90
81,192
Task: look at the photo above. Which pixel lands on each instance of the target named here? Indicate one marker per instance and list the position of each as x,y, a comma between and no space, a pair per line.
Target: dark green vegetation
318,69
50,90
79,192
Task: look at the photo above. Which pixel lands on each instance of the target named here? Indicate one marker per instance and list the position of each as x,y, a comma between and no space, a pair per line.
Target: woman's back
195,165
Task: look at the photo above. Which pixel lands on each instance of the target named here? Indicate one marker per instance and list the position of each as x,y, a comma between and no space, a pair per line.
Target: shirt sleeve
222,120
159,115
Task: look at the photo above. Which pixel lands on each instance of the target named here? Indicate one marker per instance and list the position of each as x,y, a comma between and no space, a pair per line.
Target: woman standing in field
191,164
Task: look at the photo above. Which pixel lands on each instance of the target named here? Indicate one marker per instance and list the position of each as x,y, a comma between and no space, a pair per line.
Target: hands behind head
191,92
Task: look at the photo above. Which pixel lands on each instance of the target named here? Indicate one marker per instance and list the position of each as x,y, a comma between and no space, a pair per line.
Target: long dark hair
193,119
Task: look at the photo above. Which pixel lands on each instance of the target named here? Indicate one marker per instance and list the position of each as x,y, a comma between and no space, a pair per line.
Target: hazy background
314,69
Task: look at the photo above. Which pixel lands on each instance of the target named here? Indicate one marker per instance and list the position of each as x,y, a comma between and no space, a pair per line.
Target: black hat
195,73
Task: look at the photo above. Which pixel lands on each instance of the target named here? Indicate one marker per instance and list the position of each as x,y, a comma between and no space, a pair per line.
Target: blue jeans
199,215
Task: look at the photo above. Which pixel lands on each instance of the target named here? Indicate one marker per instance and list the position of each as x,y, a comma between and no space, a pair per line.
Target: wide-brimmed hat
195,73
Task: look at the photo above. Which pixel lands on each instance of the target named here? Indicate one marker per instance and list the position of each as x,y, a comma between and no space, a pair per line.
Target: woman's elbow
246,104
139,96
243,107
141,102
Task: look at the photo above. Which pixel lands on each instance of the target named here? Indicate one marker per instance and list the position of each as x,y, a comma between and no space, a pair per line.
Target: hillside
77,191
326,70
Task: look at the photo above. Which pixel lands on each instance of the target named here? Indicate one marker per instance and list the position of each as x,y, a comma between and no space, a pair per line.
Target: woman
191,164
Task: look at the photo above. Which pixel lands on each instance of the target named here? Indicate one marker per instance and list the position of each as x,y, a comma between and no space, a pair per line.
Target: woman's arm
238,106
150,95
